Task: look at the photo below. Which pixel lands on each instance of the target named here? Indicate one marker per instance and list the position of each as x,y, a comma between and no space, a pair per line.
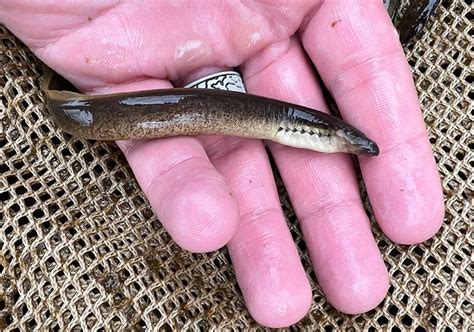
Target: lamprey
174,112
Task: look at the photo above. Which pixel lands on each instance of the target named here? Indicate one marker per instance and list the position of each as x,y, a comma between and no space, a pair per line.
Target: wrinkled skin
214,191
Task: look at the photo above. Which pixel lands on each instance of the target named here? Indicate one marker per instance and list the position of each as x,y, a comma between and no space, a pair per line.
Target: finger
356,50
265,259
190,198
323,191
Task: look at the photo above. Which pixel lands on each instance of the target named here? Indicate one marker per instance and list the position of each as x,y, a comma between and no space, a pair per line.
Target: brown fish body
174,112
162,113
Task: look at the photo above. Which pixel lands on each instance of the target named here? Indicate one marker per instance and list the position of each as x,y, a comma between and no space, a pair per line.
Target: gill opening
302,131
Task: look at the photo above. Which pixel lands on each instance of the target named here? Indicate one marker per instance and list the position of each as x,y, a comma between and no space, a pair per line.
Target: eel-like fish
173,112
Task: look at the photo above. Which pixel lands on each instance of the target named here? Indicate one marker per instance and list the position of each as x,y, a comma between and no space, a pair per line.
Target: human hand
213,191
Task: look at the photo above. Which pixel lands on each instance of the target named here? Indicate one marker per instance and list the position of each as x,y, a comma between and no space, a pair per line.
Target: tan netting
81,249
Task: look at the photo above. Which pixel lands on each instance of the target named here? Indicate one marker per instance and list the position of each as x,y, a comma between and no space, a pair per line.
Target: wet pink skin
209,192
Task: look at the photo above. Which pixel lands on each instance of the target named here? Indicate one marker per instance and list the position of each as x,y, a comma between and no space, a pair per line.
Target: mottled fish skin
173,112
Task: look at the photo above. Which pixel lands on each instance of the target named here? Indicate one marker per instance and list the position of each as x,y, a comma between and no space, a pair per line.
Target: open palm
214,191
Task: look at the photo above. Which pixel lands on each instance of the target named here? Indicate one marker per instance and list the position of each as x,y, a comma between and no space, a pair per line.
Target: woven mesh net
81,249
